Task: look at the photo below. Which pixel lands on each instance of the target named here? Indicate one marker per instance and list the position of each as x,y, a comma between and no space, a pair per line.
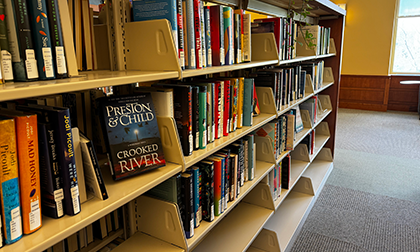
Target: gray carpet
371,201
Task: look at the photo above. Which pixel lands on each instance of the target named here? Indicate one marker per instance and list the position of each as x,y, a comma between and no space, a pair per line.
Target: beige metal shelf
87,80
119,192
98,244
245,222
218,144
319,170
305,58
141,242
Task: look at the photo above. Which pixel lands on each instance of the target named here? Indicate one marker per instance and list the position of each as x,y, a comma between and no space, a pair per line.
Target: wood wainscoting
378,93
366,92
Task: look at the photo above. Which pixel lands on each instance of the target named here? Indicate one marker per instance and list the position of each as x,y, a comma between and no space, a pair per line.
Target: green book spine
202,99
248,103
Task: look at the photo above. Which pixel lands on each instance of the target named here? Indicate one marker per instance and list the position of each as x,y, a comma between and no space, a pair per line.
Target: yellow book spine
240,102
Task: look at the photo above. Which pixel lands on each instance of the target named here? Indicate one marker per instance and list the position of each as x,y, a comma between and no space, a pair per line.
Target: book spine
246,162
228,36
67,161
217,107
232,173
42,39
240,102
197,33
221,107
226,118
10,205
52,190
202,96
203,34
196,117
187,188
235,93
57,42
190,31
215,13
98,172
180,27
6,57
285,172
217,188
248,102
29,177
24,67
208,35
209,114
207,173
247,37
237,38
196,196
251,155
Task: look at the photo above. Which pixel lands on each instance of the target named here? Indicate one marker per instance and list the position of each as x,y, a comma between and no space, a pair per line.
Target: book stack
204,190
204,36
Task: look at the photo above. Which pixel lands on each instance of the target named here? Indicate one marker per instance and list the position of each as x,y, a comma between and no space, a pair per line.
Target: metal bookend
170,140
332,47
325,155
306,119
328,75
322,129
264,47
156,53
309,85
160,219
266,100
300,153
264,149
260,196
267,240
304,185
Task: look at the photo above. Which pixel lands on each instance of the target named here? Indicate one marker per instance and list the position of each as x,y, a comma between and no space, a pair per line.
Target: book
228,35
180,30
217,35
99,228
251,156
256,108
187,195
195,170
207,193
39,21
28,162
163,100
240,102
248,102
226,107
79,165
218,184
189,35
299,123
132,135
277,23
247,37
95,184
197,34
6,57
195,116
286,172
24,60
203,35
202,121
10,205
237,43
167,190
206,10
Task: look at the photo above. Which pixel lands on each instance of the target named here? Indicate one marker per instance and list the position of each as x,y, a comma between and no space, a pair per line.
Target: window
406,49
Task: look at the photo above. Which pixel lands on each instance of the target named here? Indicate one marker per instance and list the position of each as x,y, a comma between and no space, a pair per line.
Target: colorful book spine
25,63
240,102
9,190
202,97
234,102
228,35
57,42
203,34
208,35
180,24
217,35
42,39
226,119
218,201
196,196
247,37
196,117
190,59
29,177
6,57
217,105
197,34
248,102
207,193
237,37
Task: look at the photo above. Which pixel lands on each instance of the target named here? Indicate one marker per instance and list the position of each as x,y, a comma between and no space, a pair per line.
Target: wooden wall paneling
337,33
403,97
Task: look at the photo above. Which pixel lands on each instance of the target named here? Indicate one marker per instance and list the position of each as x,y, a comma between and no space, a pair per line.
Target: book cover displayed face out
132,134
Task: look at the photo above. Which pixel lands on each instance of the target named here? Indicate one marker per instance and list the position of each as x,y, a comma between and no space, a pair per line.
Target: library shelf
321,138
292,104
299,59
218,144
319,170
325,85
98,244
226,68
119,193
253,249
238,230
263,168
143,242
86,80
301,135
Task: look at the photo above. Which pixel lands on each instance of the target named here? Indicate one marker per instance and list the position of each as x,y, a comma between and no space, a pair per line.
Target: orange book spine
9,190
29,179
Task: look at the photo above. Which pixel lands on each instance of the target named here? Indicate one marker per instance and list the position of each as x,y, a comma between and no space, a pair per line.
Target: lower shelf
144,242
238,230
98,244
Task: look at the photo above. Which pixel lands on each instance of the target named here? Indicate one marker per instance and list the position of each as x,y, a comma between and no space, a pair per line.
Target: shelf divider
264,46
266,240
264,149
170,140
260,196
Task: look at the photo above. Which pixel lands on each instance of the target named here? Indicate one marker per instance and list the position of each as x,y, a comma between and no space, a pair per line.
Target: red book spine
226,111
215,34
197,32
217,108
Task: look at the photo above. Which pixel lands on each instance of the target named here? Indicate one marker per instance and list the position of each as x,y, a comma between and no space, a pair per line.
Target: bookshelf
255,217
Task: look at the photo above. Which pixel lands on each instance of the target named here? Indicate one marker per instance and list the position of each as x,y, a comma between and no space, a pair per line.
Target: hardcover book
228,35
248,102
189,36
217,35
132,134
207,193
9,190
6,57
187,195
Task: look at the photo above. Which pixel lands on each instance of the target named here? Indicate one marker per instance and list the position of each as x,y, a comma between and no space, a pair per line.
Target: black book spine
195,119
184,120
285,173
98,171
67,160
231,178
188,220
56,39
207,176
51,185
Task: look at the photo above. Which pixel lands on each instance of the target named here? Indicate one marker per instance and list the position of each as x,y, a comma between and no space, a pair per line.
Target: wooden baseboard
403,97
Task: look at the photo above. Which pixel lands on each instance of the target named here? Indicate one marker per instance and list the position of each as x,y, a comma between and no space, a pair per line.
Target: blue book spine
158,9
42,39
196,196
248,103
223,207
190,38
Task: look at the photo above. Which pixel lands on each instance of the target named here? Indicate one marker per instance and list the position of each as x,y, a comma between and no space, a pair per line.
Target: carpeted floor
371,201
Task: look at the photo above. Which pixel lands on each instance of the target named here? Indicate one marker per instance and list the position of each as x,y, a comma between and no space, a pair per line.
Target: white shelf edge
324,86
305,58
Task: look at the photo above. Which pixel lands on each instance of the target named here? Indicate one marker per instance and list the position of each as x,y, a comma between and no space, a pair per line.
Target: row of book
32,42
204,190
319,36
280,177
98,230
206,109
